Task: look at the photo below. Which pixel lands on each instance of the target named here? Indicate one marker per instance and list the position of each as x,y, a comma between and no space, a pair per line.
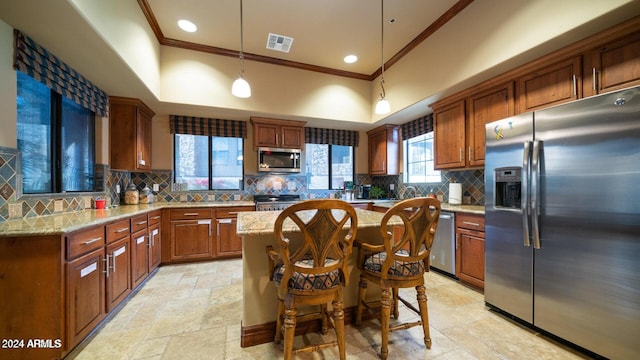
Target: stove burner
274,202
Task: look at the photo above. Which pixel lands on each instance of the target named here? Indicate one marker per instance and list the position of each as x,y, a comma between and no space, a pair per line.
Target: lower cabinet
139,257
85,295
191,235
155,240
470,249
228,244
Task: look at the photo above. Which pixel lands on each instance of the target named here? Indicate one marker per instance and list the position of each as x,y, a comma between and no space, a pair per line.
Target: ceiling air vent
279,42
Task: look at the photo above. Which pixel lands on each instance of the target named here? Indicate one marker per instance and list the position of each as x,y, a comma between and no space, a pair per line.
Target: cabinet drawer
186,214
470,222
155,217
118,230
82,242
139,222
232,212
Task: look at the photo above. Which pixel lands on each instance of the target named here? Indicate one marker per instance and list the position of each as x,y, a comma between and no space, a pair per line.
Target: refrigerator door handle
535,193
524,205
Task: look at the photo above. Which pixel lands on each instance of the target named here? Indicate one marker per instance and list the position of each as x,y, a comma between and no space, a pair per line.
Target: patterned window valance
417,127
209,127
35,61
331,136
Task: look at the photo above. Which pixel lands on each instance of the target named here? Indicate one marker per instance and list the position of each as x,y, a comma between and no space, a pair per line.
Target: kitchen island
259,293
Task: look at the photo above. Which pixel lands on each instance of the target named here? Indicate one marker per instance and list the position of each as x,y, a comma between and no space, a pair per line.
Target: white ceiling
324,32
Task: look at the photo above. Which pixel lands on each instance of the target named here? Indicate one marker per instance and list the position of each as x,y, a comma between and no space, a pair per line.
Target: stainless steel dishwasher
443,251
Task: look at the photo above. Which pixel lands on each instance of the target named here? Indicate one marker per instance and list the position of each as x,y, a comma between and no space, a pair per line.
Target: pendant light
240,87
383,106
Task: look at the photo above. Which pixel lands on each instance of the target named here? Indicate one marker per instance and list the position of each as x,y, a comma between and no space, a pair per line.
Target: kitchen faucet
409,188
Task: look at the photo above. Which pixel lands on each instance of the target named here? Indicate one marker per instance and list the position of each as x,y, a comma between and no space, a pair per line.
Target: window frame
330,162
56,143
406,161
210,164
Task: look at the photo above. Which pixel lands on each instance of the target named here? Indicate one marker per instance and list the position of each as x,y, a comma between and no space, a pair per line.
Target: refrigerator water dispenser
508,187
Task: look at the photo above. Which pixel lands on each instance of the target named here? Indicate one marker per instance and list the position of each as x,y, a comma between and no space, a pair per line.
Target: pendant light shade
240,87
383,106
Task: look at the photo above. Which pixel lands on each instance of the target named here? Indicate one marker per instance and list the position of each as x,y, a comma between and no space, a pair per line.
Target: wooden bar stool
400,262
315,239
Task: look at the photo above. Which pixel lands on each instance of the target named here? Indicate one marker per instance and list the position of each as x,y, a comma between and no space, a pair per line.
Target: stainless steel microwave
279,160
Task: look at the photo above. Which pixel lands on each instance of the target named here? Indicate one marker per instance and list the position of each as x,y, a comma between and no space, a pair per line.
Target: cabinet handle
141,222
92,241
470,223
106,268
460,154
469,153
277,139
155,217
121,230
151,240
191,214
457,241
595,81
575,86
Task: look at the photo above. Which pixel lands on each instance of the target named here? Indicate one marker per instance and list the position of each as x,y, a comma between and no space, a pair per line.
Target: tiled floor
193,311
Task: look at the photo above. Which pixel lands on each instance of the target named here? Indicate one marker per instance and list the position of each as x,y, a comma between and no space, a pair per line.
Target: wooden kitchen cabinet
470,249
551,85
276,133
139,257
449,126
129,134
191,235
118,272
155,240
613,66
384,150
228,243
485,107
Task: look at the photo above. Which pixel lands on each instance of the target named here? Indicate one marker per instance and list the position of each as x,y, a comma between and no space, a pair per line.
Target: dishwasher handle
446,216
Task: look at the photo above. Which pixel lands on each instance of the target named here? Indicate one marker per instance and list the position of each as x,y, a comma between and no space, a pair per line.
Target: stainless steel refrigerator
562,190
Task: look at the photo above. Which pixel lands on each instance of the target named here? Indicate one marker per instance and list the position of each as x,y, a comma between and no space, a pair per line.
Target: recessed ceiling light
350,59
187,26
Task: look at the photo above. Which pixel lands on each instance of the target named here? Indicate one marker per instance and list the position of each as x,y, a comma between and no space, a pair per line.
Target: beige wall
8,117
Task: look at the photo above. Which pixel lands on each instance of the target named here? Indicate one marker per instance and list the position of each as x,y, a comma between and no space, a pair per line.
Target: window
328,166
56,138
208,162
419,160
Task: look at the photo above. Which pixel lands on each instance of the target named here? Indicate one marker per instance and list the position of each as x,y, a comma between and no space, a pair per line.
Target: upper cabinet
550,85
130,134
278,133
613,66
384,150
449,135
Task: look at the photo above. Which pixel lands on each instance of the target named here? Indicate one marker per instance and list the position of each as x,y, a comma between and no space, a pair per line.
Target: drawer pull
470,223
121,230
92,241
141,222
191,214
155,217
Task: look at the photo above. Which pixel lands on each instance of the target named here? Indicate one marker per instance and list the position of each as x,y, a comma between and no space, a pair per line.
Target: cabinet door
485,107
378,153
470,257
155,254
191,239
555,84
615,66
229,244
143,141
85,295
139,257
449,136
291,137
118,273
266,135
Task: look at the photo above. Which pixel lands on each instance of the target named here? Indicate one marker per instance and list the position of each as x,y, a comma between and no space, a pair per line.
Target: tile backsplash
15,205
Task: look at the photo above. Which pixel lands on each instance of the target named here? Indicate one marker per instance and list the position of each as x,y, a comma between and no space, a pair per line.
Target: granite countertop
471,209
261,222
72,221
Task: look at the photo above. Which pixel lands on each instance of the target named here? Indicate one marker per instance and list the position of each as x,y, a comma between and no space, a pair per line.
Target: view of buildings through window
208,162
419,160
328,166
